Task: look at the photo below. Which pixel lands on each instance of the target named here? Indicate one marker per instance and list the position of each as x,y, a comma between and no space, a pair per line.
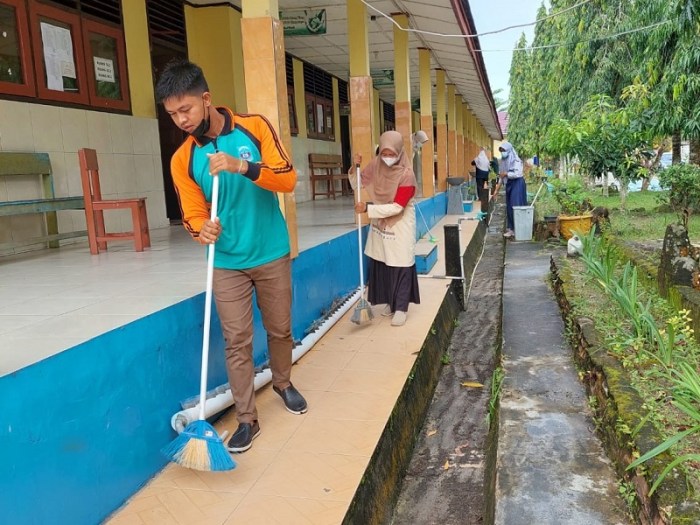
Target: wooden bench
27,165
329,169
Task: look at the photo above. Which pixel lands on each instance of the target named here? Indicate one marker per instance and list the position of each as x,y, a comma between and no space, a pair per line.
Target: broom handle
207,304
359,233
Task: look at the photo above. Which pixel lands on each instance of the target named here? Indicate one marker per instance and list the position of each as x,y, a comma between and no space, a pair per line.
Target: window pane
105,64
319,118
310,120
59,60
10,63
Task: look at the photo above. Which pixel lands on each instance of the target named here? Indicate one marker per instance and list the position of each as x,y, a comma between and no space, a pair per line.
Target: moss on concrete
619,410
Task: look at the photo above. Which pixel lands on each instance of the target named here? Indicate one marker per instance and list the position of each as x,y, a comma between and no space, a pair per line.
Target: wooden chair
95,206
328,169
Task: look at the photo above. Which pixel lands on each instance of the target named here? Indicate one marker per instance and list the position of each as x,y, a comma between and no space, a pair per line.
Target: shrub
683,183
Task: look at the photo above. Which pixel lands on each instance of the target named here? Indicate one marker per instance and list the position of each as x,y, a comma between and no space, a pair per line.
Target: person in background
252,244
516,191
391,185
482,166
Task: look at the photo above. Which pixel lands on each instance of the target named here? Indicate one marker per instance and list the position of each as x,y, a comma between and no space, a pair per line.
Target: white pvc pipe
222,401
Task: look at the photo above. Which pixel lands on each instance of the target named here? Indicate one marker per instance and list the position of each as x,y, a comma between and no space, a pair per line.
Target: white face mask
390,161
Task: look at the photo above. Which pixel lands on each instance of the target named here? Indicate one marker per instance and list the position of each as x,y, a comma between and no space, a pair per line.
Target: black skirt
392,285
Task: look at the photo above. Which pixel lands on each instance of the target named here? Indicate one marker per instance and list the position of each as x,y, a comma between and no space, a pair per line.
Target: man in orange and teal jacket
252,243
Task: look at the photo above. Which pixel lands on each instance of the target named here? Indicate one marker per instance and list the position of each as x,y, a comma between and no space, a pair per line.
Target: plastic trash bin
523,217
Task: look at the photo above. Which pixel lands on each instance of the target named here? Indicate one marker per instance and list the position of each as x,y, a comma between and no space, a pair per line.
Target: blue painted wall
432,211
81,431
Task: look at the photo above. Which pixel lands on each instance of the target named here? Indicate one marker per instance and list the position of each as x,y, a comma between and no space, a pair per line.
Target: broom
199,446
363,311
431,239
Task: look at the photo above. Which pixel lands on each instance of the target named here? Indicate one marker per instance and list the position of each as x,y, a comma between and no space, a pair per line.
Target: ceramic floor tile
10,323
328,436
288,511
323,357
377,382
381,362
358,406
309,377
41,306
326,477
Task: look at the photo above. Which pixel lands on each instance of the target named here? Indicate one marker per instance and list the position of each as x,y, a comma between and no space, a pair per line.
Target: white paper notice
58,55
104,69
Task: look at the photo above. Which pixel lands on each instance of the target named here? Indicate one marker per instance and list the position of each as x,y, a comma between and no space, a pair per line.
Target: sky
489,16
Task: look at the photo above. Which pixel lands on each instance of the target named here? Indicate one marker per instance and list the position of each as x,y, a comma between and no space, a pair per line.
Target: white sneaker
399,318
387,311
509,234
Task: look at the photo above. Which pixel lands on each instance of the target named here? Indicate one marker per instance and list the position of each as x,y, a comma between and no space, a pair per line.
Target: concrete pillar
451,133
441,129
266,83
402,81
426,123
143,101
220,54
459,129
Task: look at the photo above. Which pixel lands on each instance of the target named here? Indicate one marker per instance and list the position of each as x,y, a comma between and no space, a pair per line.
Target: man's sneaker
243,437
293,400
387,311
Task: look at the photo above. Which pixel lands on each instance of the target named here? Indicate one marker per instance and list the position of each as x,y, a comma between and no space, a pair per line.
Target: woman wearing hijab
482,165
391,185
516,192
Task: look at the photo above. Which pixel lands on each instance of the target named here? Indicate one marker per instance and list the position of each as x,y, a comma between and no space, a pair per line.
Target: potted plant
574,206
547,211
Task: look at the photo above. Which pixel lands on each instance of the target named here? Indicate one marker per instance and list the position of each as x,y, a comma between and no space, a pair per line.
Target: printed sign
304,22
104,69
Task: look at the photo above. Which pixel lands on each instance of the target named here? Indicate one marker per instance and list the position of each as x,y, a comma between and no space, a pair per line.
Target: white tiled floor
51,300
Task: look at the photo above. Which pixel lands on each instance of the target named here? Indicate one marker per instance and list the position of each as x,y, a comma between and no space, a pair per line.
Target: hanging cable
476,35
594,39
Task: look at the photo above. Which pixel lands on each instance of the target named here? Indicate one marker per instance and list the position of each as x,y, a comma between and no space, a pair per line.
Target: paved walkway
551,466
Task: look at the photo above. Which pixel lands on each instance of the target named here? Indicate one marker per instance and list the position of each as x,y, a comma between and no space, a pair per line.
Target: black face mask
203,127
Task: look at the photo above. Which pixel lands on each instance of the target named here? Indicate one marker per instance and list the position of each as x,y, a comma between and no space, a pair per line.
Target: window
72,59
319,103
104,51
16,75
293,125
58,59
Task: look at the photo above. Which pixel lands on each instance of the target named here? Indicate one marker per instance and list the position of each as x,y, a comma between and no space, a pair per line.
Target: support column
467,146
441,130
426,123
220,55
402,81
360,86
266,84
459,128
143,100
451,133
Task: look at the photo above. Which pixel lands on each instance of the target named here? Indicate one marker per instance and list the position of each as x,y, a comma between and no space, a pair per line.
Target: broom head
363,313
199,447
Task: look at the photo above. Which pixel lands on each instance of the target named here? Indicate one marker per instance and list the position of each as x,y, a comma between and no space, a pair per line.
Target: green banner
382,77
300,22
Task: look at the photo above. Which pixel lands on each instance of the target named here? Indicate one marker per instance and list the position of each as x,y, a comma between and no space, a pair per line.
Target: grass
646,375
643,219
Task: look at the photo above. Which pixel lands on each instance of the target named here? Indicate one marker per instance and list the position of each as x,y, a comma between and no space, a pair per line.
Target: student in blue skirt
516,191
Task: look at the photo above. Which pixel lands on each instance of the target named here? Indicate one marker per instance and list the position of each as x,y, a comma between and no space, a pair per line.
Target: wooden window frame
28,87
91,26
37,11
327,110
293,120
